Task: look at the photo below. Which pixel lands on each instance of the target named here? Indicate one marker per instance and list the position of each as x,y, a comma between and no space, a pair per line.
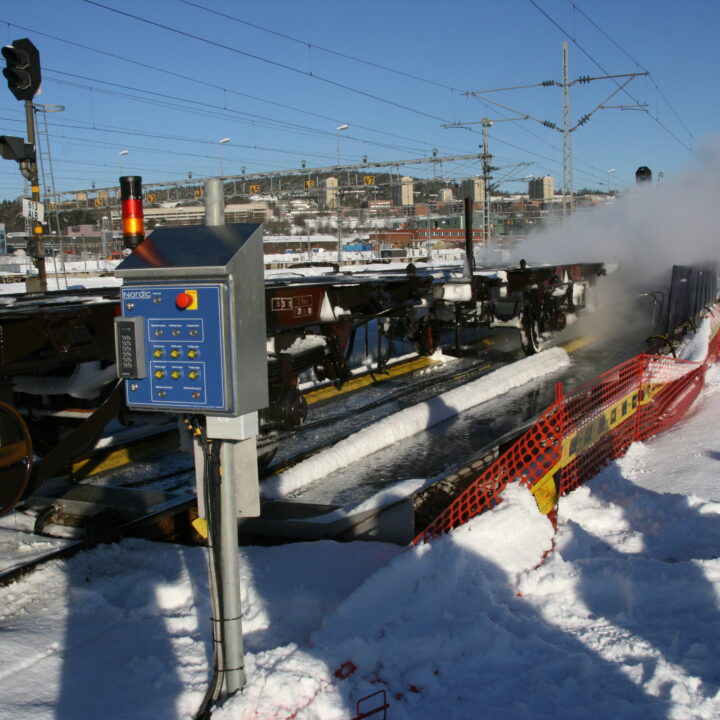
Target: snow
614,615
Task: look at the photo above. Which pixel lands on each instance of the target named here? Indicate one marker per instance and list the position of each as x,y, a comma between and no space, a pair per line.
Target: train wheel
16,458
290,408
530,337
559,321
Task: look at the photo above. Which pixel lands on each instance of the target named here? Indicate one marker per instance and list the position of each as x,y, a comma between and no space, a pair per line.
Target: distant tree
79,216
11,215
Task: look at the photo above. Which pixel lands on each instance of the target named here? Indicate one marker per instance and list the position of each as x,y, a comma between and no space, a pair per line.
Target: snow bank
436,615
412,420
695,347
621,621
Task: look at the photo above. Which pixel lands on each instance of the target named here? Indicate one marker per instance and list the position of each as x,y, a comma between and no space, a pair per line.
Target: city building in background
331,193
404,193
542,188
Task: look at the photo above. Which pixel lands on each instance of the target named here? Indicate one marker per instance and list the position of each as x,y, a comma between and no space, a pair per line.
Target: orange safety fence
584,430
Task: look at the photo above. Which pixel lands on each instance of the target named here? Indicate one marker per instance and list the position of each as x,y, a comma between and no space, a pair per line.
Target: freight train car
59,385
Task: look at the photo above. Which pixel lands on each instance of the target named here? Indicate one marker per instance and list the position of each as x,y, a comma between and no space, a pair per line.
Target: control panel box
192,336
171,346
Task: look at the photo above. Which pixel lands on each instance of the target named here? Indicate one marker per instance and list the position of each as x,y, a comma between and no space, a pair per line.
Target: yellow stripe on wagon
545,489
371,378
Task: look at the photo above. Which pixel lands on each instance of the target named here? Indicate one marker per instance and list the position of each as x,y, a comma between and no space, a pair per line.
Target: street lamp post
612,170
339,129
223,142
339,231
122,155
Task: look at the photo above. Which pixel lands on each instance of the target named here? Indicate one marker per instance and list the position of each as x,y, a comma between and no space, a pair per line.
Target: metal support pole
339,230
231,634
567,185
428,251
214,202
105,238
469,249
230,622
37,249
487,168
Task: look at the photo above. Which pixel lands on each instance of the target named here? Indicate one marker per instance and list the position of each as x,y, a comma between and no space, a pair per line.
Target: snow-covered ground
620,620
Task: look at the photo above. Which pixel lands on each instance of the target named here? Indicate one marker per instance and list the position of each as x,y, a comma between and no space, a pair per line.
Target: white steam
652,228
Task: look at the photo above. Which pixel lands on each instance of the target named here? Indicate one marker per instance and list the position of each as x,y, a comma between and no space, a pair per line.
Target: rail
586,429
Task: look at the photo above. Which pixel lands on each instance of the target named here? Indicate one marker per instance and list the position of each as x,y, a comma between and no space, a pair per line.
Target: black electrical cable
205,83
214,539
269,61
307,44
211,474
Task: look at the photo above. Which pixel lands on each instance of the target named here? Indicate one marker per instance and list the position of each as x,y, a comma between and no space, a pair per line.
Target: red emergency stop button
184,300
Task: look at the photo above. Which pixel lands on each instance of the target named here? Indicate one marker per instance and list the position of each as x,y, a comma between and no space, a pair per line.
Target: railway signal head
643,175
15,148
23,68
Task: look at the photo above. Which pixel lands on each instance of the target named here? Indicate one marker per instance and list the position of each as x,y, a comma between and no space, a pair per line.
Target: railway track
150,525
172,520
106,458
369,400
418,391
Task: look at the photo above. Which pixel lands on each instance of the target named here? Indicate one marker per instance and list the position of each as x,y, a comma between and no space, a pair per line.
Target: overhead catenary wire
151,97
308,44
321,132
205,83
350,57
69,139
218,87
270,120
275,63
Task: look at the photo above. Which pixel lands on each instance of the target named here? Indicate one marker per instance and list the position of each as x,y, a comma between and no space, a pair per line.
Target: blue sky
261,75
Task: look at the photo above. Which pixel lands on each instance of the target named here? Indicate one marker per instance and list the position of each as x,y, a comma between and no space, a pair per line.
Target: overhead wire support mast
571,36
487,171
566,129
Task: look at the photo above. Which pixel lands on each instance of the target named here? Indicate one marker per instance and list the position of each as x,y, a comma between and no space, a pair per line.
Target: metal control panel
171,346
192,336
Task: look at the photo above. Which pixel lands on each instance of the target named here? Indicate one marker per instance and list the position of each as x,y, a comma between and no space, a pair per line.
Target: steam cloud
646,232
652,228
